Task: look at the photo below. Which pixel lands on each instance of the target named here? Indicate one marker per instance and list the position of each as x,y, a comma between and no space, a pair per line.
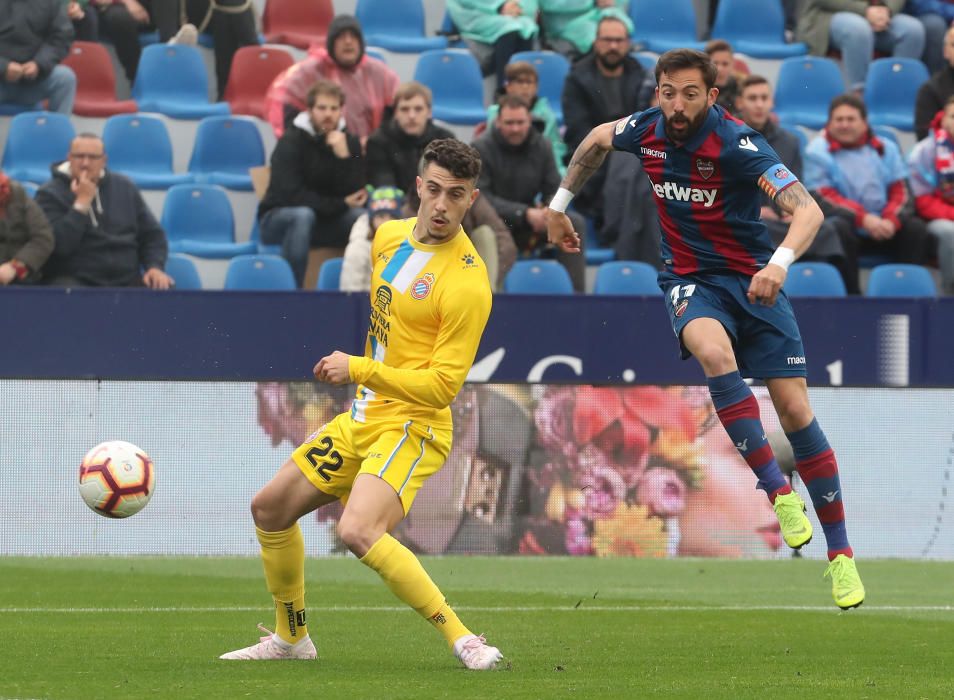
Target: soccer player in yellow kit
430,299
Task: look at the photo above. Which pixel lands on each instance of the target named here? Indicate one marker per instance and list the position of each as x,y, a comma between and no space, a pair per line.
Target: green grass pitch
569,628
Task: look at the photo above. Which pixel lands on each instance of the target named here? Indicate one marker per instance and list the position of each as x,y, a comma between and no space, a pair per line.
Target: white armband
783,257
561,200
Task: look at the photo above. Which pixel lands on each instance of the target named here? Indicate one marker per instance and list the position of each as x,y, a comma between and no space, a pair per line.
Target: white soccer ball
116,479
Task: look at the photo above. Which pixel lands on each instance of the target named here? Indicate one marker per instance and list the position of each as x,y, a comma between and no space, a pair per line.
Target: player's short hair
849,99
512,102
684,59
717,45
751,80
412,89
521,69
458,158
324,87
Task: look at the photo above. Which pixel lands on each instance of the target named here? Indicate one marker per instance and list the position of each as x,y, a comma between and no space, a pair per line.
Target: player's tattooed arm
793,197
588,157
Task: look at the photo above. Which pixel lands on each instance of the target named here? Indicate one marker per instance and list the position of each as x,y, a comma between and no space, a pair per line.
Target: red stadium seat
253,70
95,82
299,23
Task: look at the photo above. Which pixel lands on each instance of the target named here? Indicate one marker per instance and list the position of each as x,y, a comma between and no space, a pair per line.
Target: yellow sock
404,575
283,556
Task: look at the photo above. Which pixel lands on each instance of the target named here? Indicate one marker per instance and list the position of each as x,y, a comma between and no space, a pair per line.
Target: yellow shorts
403,453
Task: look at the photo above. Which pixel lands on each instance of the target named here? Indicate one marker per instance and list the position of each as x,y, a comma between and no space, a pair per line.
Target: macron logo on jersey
652,152
672,191
747,145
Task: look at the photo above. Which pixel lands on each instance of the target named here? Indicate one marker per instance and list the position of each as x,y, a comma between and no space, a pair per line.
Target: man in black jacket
34,37
932,95
105,235
395,149
517,166
317,186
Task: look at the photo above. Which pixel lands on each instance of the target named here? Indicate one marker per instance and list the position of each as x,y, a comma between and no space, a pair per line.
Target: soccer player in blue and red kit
722,282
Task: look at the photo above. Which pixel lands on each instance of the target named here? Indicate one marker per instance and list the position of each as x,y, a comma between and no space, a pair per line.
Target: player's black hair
455,156
684,59
324,87
851,100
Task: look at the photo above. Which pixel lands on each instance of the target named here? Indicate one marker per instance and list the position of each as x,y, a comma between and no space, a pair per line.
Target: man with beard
722,282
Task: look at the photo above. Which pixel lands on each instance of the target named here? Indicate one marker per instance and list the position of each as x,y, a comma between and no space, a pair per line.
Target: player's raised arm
587,159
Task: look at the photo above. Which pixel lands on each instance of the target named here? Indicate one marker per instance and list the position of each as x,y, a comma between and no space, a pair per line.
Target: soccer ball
116,479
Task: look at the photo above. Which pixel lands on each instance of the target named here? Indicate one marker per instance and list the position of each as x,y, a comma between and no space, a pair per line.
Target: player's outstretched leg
738,410
816,465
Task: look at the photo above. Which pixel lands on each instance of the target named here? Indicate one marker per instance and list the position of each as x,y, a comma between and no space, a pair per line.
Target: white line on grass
492,608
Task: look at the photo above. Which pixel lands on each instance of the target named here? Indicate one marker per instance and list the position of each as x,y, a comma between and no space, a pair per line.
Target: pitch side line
495,608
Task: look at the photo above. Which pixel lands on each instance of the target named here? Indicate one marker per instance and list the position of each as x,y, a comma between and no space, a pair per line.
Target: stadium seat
183,271
261,272
253,70
299,23
30,188
647,59
8,109
552,69
35,141
900,280
396,25
172,80
799,133
890,91
95,81
138,146
451,32
755,28
224,149
453,75
660,25
886,133
629,277
198,221
329,276
256,238
375,53
538,277
814,279
804,88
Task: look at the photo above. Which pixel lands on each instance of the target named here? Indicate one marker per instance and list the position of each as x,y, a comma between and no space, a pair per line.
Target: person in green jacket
569,26
495,30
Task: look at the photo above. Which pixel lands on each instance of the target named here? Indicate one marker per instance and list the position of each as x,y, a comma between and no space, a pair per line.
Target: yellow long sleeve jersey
429,307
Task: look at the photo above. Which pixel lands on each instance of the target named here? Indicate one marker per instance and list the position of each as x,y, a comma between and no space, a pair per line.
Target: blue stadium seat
660,25
886,133
183,271
814,279
256,238
453,75
799,134
592,252
900,280
629,277
451,32
374,52
172,80
647,59
8,109
261,272
890,91
538,277
30,187
804,88
329,276
396,25
755,28
224,149
138,146
552,69
198,221
36,140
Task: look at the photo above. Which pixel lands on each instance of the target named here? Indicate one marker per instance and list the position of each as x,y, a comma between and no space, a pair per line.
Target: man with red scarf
855,174
932,184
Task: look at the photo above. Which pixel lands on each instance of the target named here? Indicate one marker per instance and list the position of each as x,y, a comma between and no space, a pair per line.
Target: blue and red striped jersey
707,190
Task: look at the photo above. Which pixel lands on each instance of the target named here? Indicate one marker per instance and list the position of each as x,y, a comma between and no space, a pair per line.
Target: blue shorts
765,339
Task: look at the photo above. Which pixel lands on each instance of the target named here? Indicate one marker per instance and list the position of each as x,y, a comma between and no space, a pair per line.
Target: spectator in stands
857,29
933,95
398,144
517,168
569,26
727,79
368,83
495,31
34,37
384,204
26,239
522,80
84,19
936,16
601,87
316,189
857,176
756,104
932,184
105,235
